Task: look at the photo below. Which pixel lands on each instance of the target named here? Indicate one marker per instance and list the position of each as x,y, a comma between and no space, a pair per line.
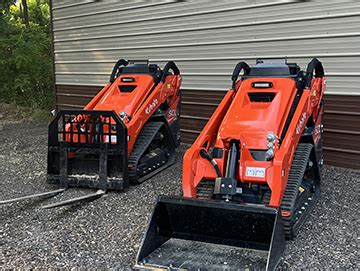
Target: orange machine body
137,105
241,117
126,134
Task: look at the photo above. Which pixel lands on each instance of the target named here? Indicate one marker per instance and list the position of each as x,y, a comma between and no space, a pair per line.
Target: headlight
271,139
269,154
123,114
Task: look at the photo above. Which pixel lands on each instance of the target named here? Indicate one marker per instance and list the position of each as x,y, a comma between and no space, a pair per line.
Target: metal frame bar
63,165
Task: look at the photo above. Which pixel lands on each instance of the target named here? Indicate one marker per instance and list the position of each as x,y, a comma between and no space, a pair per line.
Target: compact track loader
127,133
250,178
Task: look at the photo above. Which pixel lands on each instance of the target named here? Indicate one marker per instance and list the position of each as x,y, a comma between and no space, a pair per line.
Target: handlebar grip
119,63
240,66
316,65
169,66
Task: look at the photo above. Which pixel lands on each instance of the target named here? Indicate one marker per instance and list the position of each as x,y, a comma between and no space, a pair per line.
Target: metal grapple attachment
191,233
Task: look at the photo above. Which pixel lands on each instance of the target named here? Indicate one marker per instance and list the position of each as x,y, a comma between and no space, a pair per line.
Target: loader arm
192,162
283,158
162,92
308,107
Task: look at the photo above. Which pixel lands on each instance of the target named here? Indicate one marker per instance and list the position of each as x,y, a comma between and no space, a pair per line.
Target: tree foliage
25,54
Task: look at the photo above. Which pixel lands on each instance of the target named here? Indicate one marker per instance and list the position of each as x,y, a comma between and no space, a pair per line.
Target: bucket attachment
191,234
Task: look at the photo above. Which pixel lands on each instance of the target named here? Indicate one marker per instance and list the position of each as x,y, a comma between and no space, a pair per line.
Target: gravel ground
106,233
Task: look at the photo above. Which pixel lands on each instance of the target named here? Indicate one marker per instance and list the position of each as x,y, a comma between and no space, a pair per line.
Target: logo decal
171,115
301,123
151,106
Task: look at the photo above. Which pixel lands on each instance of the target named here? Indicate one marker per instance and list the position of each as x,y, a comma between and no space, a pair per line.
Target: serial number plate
258,172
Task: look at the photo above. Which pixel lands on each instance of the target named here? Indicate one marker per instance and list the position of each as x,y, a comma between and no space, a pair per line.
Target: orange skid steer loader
127,133
250,178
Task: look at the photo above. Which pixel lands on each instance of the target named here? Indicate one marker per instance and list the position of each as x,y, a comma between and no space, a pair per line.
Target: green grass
14,113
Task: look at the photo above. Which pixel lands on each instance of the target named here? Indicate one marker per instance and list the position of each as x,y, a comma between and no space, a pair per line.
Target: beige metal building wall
207,39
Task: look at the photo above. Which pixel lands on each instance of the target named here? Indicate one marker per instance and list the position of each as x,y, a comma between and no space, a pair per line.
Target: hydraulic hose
204,154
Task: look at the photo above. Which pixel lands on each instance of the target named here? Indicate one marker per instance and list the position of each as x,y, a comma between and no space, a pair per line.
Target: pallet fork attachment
39,195
92,196
84,134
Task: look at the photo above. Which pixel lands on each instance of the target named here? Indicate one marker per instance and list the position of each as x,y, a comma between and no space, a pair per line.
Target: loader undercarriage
153,151
302,190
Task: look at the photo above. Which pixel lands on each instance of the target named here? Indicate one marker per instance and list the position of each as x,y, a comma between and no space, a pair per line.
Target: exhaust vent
261,97
127,88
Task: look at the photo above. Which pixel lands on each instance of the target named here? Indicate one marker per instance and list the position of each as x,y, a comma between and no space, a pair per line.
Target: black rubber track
205,190
296,174
146,136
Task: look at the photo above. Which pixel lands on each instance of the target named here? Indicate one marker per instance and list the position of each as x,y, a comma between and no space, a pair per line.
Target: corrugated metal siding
206,39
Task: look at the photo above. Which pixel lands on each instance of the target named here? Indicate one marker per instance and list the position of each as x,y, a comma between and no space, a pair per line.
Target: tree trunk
25,12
